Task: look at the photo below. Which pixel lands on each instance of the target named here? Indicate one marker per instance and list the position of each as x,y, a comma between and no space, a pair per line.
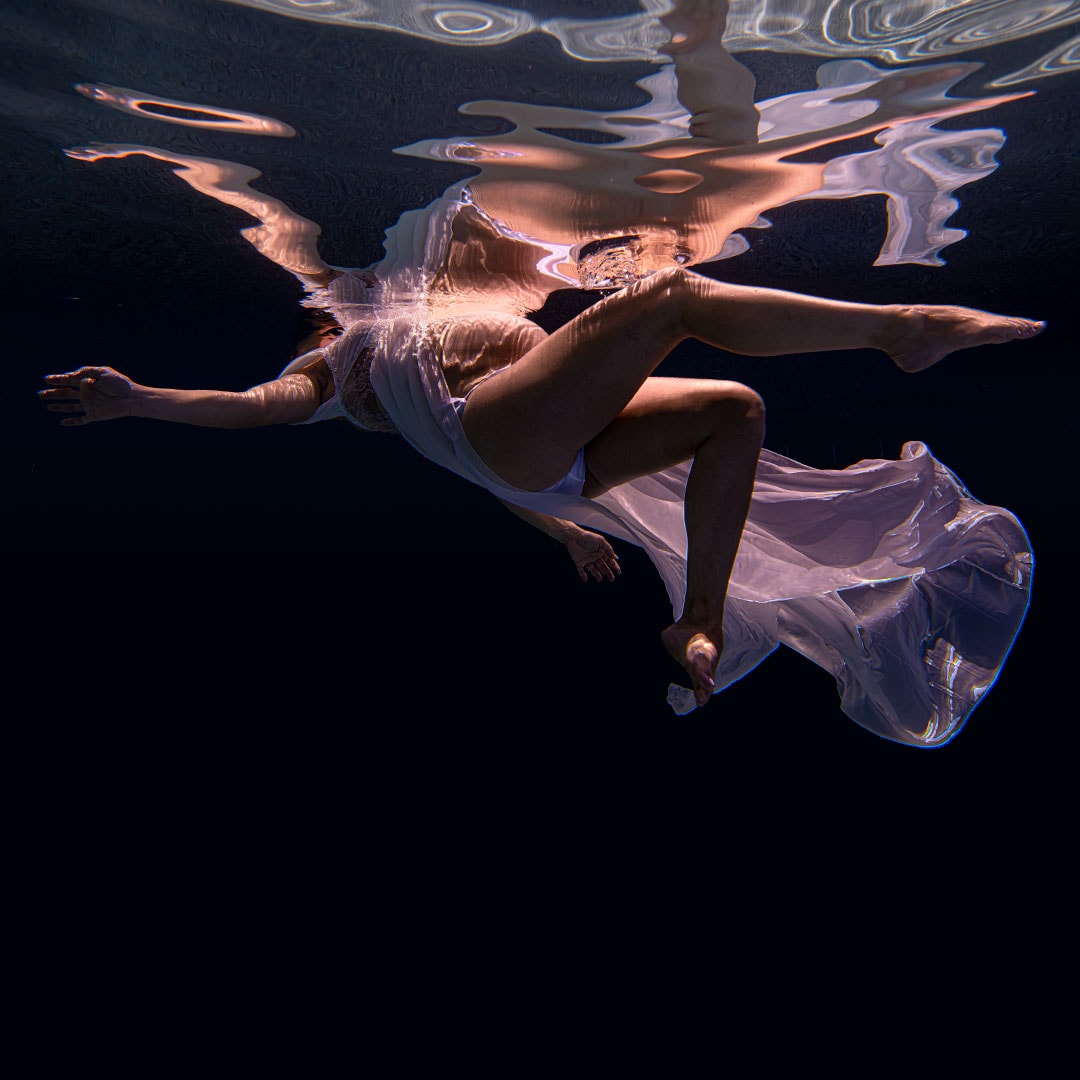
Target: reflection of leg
720,426
715,88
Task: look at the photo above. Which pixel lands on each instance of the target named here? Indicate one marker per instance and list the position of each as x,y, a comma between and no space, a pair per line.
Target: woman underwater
888,574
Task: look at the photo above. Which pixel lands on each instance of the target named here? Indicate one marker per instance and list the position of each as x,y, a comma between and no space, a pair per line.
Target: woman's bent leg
529,421
720,425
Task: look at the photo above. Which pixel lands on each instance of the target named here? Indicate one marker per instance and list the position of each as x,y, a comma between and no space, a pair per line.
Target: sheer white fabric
349,357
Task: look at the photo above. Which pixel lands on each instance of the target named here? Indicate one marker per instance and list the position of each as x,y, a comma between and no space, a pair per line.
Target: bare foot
923,335
698,650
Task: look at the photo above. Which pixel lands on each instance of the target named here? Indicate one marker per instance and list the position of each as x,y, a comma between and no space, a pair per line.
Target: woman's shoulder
318,371
313,365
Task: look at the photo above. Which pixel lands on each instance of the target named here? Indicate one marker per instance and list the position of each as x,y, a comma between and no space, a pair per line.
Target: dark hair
311,322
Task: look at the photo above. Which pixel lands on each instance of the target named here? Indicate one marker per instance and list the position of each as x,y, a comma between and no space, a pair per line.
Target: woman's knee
673,284
736,407
671,287
663,297
683,295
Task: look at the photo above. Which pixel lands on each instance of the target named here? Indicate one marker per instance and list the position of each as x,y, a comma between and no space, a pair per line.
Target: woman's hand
593,556
91,394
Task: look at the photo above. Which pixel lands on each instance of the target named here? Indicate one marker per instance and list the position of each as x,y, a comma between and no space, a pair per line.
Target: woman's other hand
593,556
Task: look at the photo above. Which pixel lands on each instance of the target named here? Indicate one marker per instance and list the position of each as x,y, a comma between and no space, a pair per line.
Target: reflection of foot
920,83
98,92
922,92
924,335
97,151
698,650
693,22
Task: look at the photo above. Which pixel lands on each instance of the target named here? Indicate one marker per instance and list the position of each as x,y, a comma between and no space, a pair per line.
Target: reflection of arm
282,235
92,394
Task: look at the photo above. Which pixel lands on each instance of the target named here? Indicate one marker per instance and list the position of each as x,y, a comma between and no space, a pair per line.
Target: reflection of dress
888,574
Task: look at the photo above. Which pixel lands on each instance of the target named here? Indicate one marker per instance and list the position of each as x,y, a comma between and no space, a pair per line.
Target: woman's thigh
667,422
529,421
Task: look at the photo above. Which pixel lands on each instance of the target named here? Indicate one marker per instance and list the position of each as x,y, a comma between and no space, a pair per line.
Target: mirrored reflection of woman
858,569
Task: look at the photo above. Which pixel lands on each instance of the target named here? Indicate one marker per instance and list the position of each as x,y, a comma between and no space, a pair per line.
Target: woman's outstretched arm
91,394
593,556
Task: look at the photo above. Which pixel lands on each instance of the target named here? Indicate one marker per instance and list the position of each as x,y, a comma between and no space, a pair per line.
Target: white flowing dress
888,574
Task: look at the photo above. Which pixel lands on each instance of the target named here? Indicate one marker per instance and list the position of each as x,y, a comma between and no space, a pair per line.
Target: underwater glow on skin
898,31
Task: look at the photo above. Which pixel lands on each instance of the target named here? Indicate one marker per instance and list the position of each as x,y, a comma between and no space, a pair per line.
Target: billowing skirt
889,575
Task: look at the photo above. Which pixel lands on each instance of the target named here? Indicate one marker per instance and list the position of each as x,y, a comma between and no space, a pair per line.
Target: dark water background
319,611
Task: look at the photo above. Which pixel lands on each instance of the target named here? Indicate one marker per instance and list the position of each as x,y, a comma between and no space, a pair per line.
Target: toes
1024,328
702,693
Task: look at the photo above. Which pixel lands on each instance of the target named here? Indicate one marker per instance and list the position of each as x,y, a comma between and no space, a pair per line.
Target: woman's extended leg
529,421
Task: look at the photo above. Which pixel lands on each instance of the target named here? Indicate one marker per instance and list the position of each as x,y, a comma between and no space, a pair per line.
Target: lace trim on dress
358,396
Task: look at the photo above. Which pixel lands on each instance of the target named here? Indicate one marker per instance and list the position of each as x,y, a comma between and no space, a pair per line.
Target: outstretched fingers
599,569
51,396
73,378
66,401
90,393
594,557
66,393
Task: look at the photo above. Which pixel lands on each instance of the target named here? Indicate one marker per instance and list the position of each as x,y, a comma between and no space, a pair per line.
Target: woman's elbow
290,400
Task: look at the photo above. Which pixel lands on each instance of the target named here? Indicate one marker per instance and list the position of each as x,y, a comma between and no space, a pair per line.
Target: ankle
700,616
896,327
